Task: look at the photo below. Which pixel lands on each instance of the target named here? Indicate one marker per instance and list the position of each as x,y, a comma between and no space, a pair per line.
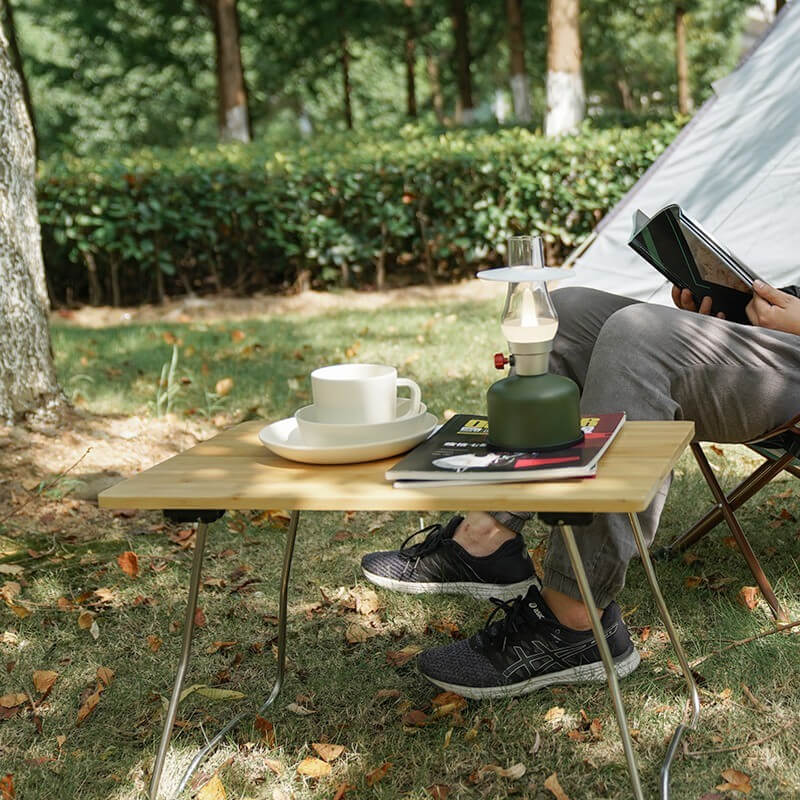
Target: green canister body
534,412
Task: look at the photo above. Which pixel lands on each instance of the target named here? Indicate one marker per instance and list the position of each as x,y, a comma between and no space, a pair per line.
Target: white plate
284,439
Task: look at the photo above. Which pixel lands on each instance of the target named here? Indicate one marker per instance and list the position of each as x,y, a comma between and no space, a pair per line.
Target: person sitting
655,363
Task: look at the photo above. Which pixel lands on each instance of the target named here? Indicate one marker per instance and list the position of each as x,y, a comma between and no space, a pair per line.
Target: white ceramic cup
360,393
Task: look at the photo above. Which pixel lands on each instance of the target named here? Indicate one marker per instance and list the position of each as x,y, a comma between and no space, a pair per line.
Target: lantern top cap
525,274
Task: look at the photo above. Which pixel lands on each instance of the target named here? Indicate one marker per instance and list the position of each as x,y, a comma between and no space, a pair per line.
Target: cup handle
416,396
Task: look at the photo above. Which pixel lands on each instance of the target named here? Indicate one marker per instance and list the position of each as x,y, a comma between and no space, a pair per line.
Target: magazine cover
458,452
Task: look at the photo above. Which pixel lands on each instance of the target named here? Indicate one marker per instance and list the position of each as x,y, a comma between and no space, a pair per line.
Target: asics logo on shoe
536,610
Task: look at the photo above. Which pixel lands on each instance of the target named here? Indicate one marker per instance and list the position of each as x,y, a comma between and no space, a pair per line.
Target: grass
448,351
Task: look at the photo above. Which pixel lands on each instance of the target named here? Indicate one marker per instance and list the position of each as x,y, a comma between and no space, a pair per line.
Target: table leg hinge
187,516
555,518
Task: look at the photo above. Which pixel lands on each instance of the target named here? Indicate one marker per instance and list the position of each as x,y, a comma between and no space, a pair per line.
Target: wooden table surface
235,471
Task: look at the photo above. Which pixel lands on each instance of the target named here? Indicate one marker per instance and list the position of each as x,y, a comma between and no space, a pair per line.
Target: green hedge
344,211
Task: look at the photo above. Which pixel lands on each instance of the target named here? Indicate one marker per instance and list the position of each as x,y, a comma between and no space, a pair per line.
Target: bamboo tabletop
234,470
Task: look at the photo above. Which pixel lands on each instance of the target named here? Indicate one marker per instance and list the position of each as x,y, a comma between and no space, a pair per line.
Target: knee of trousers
642,324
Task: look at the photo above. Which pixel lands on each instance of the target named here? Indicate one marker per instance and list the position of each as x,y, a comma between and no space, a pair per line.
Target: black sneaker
439,565
527,650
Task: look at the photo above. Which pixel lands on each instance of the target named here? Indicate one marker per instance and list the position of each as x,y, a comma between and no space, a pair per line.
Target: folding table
234,471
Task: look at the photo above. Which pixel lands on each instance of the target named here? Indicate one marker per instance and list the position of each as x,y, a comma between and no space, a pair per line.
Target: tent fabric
735,169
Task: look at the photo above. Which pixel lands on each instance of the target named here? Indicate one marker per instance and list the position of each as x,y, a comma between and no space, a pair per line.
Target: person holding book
735,381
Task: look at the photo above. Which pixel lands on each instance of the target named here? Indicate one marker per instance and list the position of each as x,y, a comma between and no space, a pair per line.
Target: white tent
735,168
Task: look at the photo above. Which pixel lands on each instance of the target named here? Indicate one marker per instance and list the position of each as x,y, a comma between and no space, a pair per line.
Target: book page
709,264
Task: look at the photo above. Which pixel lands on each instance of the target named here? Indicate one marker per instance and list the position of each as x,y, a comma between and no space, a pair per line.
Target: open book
689,257
458,453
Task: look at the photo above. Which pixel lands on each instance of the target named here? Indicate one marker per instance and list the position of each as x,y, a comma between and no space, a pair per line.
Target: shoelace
501,628
432,541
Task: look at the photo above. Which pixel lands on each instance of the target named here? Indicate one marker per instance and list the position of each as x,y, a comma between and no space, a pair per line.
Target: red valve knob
500,361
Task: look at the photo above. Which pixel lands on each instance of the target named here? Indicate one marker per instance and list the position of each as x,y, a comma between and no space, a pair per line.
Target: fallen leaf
61,740
217,646
94,630
237,335
224,386
210,693
129,563
43,680
378,774
11,569
415,718
274,765
552,785
212,790
367,601
596,728
105,675
89,705
383,694
301,711
13,699
748,597
342,789
153,643
576,735
554,714
693,581
725,694
730,542
326,751
718,450
438,791
199,618
7,787
445,700
397,658
314,768
735,781
104,595
267,730
356,633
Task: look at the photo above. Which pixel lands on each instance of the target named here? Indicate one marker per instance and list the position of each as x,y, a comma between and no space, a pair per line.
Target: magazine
690,258
458,452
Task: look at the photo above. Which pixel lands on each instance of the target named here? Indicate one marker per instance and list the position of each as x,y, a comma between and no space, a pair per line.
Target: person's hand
774,309
684,299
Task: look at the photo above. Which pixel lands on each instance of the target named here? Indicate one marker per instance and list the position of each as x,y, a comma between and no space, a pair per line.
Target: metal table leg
288,553
676,644
605,654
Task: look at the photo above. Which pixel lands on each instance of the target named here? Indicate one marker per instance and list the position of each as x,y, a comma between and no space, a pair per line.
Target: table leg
183,663
605,654
676,644
288,553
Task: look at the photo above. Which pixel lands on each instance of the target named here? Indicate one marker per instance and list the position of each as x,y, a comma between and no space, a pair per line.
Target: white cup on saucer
360,394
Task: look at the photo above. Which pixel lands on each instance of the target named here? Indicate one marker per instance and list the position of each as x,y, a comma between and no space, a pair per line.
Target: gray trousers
657,363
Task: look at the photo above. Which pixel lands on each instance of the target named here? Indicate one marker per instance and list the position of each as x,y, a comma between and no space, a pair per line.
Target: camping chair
781,449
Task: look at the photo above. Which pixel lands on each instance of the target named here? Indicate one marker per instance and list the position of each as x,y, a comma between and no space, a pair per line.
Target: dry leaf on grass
301,711
12,700
153,643
89,705
129,563
85,620
396,658
554,714
415,718
735,781
267,730
514,772
314,768
378,774
105,675
342,789
11,569
356,633
224,386
438,791
327,751
43,680
217,646
212,790
274,765
7,787
553,786
61,740
367,601
199,618
748,597
448,702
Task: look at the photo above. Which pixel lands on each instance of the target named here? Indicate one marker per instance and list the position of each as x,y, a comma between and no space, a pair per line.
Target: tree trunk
11,34
346,88
458,14
682,61
625,94
566,104
520,88
410,56
234,119
437,98
27,377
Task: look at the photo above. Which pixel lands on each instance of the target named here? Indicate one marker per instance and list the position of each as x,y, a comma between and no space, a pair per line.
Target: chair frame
780,447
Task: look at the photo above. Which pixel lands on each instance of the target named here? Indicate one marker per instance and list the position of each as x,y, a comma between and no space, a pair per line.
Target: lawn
362,695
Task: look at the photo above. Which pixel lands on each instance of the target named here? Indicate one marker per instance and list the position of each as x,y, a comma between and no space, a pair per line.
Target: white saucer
284,439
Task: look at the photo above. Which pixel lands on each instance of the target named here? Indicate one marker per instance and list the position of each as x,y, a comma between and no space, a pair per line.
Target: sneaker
439,565
526,650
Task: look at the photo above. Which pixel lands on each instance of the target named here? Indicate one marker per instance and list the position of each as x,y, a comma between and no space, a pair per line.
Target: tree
458,13
682,60
565,97
520,88
27,377
411,57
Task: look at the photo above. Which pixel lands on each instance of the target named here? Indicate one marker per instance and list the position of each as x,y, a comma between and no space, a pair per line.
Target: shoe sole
585,673
483,591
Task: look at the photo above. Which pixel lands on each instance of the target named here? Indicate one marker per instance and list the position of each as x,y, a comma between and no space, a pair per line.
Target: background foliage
394,209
